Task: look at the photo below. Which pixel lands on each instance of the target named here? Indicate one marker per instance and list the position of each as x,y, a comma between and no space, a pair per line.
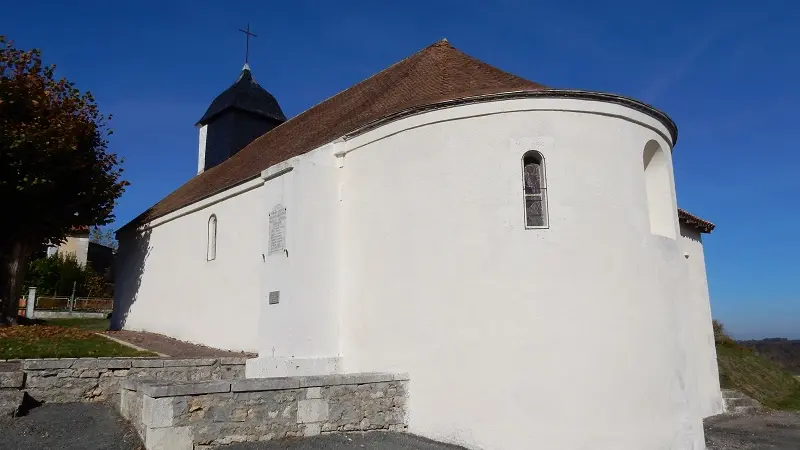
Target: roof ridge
440,43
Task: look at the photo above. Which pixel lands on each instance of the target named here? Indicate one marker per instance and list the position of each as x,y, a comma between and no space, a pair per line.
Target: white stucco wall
304,325
165,284
698,312
568,337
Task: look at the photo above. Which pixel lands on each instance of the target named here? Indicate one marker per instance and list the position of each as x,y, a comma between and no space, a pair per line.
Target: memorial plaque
274,297
277,230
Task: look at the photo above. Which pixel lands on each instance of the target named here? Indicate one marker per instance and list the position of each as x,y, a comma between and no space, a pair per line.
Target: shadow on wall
134,249
691,234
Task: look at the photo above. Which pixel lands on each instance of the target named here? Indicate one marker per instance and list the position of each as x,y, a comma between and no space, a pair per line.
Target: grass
61,338
83,324
742,369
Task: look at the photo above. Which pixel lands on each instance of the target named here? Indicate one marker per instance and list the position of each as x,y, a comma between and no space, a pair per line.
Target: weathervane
247,43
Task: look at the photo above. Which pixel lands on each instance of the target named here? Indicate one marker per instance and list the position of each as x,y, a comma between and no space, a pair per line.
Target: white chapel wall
167,285
512,336
303,325
698,312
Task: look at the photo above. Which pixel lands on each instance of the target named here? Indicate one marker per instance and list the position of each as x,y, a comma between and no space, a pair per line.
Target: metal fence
94,304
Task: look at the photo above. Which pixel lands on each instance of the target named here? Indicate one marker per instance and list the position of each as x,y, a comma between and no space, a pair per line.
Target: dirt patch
171,347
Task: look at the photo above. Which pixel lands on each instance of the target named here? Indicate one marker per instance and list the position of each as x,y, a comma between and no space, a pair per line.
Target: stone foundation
99,379
197,415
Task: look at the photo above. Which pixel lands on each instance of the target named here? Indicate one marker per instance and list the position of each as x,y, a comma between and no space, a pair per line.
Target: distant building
98,256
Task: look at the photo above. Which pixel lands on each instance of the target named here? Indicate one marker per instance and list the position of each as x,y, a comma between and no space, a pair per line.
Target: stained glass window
535,190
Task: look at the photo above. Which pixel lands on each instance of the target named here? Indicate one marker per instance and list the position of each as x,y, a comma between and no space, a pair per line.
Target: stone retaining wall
199,415
99,379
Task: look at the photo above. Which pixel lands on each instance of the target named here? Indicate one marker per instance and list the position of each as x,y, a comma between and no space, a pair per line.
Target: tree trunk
13,265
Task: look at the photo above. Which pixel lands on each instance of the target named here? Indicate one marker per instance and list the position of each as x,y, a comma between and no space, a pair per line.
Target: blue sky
725,71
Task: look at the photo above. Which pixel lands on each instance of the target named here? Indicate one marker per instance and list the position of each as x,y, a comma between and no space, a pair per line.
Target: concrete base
69,315
269,367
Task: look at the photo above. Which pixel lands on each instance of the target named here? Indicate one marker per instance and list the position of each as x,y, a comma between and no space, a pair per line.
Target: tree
55,171
103,237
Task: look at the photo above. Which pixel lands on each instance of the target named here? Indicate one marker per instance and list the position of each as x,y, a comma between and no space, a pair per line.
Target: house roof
690,219
436,75
245,95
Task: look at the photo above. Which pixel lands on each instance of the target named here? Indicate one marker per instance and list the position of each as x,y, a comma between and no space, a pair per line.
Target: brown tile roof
690,219
435,74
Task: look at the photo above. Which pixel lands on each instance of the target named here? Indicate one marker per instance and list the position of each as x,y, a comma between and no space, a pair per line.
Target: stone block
184,388
320,380
10,401
157,412
102,363
171,438
366,378
402,377
314,392
147,363
232,360
89,373
265,384
312,429
45,364
313,410
194,362
12,380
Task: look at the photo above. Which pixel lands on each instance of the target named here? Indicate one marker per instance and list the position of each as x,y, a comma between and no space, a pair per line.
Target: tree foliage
57,274
103,237
56,173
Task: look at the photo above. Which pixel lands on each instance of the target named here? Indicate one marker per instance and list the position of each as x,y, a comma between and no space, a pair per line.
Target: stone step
745,410
10,402
730,393
741,401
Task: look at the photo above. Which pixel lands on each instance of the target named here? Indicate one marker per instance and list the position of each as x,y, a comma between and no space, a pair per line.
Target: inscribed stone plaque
274,297
277,229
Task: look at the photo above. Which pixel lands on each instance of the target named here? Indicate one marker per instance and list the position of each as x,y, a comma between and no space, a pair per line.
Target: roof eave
657,114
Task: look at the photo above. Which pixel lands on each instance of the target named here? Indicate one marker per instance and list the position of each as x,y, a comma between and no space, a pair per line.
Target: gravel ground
69,426
767,431
169,346
375,440
81,426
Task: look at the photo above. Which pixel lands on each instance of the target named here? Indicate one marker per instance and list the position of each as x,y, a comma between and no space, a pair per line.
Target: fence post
72,297
30,304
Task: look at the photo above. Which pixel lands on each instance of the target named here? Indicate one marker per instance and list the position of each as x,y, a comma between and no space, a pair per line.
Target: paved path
169,346
68,426
768,431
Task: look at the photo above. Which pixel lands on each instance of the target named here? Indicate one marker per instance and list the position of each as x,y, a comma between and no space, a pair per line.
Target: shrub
55,275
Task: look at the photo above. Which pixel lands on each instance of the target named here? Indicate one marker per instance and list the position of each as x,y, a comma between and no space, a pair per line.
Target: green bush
55,275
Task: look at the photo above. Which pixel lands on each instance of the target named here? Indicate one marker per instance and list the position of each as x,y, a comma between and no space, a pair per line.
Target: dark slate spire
246,95
235,118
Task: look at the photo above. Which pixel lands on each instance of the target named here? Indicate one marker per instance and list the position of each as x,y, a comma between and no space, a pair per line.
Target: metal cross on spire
247,43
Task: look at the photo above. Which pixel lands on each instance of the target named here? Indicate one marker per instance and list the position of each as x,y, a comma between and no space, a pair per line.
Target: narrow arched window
211,249
535,190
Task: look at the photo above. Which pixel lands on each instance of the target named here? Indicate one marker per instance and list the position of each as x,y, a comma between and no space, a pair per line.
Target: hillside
741,368
783,352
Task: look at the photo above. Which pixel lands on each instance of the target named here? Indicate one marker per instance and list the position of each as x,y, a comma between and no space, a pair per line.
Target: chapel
516,249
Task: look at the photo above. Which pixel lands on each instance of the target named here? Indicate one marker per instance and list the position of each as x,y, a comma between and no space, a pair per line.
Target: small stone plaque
277,229
274,297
